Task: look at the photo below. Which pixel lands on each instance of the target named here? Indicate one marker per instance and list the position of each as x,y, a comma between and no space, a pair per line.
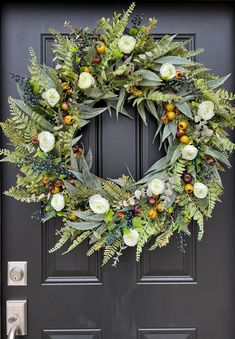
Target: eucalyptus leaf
97,233
121,100
173,128
149,83
184,108
218,155
75,140
175,60
83,225
148,75
142,113
89,216
152,108
218,82
73,160
89,158
159,165
166,132
70,188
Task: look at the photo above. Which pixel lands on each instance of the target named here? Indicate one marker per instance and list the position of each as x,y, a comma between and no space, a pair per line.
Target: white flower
46,141
98,204
57,202
200,190
129,201
126,44
86,80
131,238
206,110
189,152
51,96
167,71
156,186
140,193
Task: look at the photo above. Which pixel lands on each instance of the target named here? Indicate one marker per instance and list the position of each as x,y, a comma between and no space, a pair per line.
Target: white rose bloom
131,238
46,141
189,152
51,96
86,80
167,71
126,44
98,204
206,110
156,186
57,202
200,190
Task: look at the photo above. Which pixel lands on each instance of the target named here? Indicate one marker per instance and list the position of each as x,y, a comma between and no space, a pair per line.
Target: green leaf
148,83
184,108
159,165
137,222
121,100
152,108
175,60
89,216
83,225
176,155
148,75
218,155
218,82
70,188
173,128
141,111
108,216
166,132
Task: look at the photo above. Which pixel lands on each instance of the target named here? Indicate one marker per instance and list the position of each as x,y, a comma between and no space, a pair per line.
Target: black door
170,294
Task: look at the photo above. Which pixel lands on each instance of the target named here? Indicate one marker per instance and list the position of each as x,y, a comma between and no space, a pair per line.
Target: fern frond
162,240
78,240
38,72
97,245
111,250
64,237
112,189
22,195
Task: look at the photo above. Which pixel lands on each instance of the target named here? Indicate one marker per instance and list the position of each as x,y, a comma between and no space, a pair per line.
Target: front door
184,291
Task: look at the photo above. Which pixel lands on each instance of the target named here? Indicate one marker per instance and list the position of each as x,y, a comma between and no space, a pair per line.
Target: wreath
101,71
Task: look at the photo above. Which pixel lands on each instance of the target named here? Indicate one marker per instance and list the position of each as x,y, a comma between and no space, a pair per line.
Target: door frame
2,270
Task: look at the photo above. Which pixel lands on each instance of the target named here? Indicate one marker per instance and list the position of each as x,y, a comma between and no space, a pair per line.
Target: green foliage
78,240
111,250
115,78
162,240
64,237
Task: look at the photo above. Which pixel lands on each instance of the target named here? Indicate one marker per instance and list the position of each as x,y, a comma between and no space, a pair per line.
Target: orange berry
152,214
68,120
87,69
184,139
183,124
170,107
101,48
171,115
65,106
160,207
188,188
121,214
179,73
179,132
55,190
45,180
73,217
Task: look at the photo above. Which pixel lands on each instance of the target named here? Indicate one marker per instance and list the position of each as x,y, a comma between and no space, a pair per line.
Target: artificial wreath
98,72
